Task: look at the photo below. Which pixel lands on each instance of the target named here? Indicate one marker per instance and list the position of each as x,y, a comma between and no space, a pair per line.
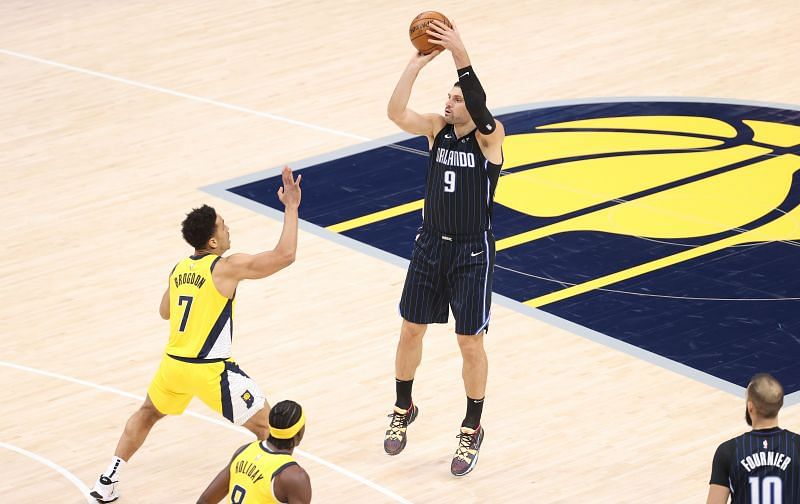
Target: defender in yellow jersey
199,304
264,472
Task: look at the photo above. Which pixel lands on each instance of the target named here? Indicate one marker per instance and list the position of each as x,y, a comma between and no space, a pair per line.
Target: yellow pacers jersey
200,318
252,472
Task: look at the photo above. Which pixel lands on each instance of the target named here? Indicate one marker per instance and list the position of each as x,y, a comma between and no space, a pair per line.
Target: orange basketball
419,26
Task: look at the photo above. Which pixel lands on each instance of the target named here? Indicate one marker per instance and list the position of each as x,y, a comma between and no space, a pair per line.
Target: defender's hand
289,194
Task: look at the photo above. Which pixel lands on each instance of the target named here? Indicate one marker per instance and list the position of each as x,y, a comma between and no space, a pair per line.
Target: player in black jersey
453,257
760,466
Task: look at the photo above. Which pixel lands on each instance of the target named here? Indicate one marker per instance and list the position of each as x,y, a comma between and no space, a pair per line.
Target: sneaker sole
402,447
99,498
469,469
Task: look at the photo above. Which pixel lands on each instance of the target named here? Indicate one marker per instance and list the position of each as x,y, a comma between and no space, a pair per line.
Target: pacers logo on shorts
670,225
247,397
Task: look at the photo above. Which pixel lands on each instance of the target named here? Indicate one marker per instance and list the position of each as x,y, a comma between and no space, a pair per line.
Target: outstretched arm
252,266
398,111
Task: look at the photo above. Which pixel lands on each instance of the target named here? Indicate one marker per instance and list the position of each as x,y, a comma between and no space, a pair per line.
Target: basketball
419,25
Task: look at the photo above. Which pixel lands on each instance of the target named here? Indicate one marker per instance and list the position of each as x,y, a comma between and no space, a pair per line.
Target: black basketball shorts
454,271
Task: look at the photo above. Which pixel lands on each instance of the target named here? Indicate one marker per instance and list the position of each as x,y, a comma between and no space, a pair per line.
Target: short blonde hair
766,393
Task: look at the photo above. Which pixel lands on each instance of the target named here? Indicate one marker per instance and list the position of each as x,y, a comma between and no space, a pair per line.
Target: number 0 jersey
253,472
200,318
760,466
460,185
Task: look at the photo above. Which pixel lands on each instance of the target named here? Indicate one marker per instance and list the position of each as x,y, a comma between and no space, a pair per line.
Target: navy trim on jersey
193,360
213,334
263,445
283,467
225,398
234,368
214,263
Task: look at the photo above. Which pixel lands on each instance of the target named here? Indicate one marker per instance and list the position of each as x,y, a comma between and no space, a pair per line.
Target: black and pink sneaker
395,439
469,444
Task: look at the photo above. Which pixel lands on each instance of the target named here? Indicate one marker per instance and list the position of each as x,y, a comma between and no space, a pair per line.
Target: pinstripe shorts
450,271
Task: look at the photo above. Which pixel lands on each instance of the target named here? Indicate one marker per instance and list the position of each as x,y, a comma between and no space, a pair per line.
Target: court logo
247,397
669,225
712,183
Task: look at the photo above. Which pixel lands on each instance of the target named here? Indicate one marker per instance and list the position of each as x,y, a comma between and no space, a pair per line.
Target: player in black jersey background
760,466
453,257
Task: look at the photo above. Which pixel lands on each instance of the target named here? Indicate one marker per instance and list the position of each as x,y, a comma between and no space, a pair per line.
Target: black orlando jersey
460,185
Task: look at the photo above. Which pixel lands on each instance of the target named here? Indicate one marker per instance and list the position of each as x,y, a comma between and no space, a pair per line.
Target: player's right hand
289,194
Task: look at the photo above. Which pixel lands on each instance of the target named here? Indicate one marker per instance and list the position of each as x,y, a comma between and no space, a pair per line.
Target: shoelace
399,422
464,445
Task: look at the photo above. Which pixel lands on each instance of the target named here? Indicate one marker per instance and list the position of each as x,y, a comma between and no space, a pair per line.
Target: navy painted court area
670,226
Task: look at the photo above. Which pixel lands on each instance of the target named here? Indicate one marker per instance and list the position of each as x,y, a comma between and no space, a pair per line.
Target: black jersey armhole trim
214,263
283,468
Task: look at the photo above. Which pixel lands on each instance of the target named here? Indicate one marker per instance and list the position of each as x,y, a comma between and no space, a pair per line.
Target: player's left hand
290,193
447,37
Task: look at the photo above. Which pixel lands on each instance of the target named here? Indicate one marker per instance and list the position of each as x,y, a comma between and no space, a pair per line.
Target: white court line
187,96
52,465
227,106
216,421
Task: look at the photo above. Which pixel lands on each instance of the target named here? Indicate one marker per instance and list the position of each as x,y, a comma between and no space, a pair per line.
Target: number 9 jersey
460,185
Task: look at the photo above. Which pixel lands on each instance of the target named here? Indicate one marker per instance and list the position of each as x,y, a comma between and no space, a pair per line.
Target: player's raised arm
490,132
253,266
398,111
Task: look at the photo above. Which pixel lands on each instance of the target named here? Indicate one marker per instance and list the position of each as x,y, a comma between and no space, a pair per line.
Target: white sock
114,468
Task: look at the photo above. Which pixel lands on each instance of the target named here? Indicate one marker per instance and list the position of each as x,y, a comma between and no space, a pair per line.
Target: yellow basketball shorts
222,385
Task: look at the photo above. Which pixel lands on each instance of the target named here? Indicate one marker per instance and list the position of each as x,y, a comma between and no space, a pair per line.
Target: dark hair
767,395
457,84
282,416
199,225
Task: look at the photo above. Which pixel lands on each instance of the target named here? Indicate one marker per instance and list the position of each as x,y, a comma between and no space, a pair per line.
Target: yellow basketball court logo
623,156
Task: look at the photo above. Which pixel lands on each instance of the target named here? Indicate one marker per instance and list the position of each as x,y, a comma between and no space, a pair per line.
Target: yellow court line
535,234
641,269
375,217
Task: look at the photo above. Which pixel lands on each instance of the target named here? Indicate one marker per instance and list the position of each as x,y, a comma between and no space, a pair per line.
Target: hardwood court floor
113,114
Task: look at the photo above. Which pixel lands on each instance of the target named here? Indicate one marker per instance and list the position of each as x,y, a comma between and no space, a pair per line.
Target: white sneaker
105,490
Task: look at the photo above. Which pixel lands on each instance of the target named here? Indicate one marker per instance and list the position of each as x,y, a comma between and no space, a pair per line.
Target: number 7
188,300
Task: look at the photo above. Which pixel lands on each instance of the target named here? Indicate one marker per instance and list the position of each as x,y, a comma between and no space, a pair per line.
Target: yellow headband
291,431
